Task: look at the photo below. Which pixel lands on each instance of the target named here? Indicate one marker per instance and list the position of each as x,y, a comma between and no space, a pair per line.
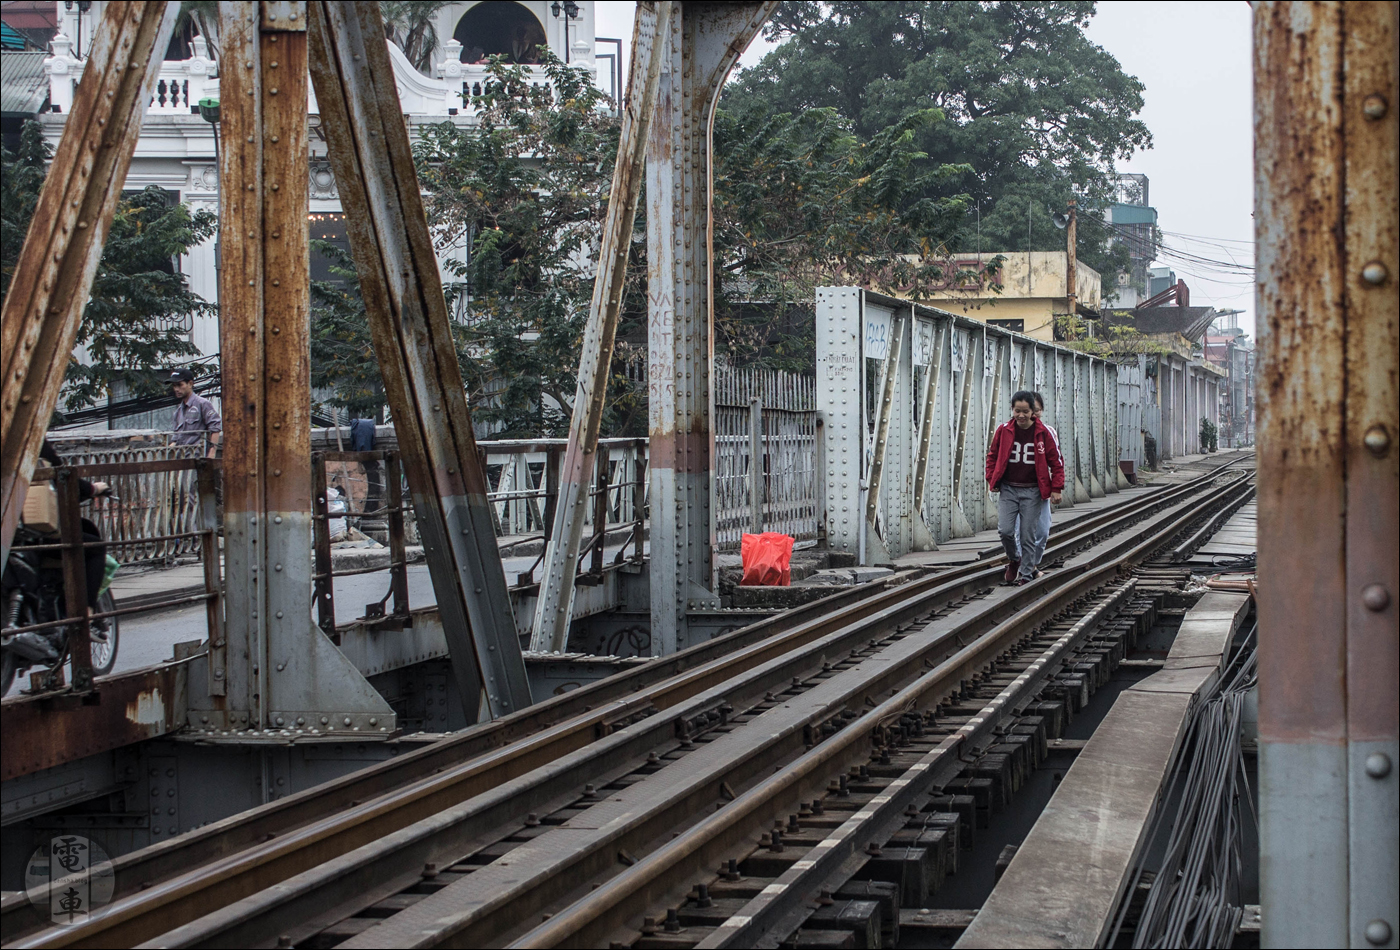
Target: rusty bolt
1375,597
1377,439
1374,106
1374,273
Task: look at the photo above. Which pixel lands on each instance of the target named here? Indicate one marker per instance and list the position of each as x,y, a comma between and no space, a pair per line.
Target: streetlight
569,9
83,7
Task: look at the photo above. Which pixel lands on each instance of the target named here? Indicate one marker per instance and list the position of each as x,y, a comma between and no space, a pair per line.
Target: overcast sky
1194,59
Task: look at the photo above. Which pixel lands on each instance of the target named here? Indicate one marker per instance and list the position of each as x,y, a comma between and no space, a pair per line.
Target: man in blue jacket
1025,468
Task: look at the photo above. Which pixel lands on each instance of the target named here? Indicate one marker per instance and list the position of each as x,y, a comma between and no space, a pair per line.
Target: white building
176,148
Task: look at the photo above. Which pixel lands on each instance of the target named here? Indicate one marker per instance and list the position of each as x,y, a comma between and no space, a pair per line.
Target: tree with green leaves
412,26
800,200
524,190
139,305
1034,112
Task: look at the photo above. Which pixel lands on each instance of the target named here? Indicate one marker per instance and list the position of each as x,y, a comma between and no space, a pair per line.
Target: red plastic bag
767,560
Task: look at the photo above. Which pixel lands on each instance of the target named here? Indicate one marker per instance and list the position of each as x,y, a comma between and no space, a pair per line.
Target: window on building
1015,326
328,226
506,29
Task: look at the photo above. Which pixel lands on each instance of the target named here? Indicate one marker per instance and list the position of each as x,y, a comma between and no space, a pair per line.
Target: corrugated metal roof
24,86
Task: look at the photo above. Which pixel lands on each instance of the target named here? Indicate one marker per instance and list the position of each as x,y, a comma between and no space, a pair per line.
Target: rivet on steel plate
1374,273
1375,597
1378,932
1378,765
1374,106
1377,439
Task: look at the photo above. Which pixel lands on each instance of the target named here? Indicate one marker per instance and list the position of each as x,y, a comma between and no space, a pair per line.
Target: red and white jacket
1049,465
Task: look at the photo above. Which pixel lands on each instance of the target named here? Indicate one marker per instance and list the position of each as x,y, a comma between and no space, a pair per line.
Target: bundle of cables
1195,898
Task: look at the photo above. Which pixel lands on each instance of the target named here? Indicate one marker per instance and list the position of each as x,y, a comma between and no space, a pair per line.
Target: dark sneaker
1009,575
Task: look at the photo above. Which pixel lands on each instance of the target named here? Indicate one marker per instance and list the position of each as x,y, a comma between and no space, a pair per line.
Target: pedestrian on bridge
1043,529
1024,467
196,420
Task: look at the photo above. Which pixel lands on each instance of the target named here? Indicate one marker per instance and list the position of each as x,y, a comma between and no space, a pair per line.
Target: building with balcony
176,149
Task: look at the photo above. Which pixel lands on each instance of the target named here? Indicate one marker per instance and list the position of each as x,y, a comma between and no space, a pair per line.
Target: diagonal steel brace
398,272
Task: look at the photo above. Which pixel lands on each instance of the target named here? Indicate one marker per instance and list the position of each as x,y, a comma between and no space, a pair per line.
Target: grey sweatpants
1022,542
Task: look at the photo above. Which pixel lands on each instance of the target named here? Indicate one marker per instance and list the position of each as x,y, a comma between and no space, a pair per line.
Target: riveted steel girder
554,608
276,671
704,42
398,273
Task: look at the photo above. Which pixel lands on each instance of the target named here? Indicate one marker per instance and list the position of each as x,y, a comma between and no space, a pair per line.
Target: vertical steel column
45,301
928,399
282,672
1001,366
756,465
703,43
879,549
413,341
207,480
75,592
840,414
962,527
1326,211
1088,416
554,606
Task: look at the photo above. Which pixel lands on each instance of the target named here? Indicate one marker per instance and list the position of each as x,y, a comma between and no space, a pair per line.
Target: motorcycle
31,592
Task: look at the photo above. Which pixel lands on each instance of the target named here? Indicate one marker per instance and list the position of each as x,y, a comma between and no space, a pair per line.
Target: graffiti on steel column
661,375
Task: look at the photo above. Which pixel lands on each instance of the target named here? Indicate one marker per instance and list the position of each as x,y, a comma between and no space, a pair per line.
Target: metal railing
201,531
524,478
765,455
155,516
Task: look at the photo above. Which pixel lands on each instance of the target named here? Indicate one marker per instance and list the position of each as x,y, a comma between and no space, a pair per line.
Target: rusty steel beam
1325,224
399,280
47,730
279,672
44,305
554,607
704,42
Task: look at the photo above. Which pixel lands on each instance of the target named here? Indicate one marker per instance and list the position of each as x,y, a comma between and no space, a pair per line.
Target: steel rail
773,910
672,868
375,811
1185,549
587,922
380,868
356,799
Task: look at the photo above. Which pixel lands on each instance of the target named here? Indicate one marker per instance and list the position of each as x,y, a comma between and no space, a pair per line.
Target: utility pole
1072,262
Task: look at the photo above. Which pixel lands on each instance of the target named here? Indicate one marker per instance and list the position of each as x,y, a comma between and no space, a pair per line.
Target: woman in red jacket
1024,466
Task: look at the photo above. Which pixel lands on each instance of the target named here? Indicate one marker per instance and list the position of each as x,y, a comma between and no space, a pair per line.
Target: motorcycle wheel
104,653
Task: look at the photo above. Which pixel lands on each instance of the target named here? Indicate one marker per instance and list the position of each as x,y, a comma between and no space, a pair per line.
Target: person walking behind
1024,467
1043,528
196,421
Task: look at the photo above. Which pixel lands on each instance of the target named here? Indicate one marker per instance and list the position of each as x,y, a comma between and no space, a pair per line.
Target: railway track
612,803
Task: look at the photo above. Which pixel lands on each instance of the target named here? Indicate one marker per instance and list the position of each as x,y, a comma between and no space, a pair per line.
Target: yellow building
1032,292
